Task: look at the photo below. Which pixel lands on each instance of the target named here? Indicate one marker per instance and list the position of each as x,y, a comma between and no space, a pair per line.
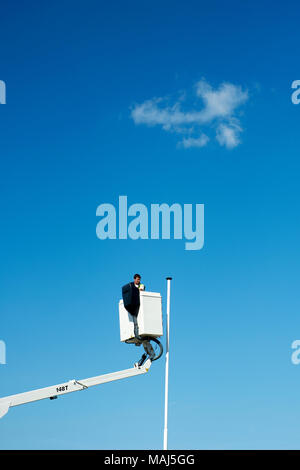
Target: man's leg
136,328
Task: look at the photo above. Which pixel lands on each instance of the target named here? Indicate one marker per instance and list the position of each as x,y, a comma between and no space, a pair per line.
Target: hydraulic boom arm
71,386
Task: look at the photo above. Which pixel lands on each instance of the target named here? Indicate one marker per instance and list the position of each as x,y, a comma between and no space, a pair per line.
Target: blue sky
75,72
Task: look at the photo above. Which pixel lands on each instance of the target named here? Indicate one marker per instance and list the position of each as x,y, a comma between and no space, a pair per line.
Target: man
138,285
131,299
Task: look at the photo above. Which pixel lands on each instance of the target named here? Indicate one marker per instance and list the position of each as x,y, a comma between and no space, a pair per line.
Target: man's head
137,279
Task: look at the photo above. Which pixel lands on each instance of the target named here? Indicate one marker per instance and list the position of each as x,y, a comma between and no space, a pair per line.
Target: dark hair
137,275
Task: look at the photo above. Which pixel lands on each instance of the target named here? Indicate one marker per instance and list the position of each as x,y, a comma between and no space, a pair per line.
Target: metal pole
167,363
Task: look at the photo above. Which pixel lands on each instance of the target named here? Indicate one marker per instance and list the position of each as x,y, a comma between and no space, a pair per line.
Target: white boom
71,386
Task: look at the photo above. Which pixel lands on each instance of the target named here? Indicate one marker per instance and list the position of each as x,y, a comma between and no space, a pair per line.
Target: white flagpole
167,363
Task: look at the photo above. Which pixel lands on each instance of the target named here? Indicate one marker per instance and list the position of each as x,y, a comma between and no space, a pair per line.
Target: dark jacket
131,298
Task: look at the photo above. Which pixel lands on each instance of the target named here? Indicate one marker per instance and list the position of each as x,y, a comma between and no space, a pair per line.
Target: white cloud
194,142
228,135
222,102
218,110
